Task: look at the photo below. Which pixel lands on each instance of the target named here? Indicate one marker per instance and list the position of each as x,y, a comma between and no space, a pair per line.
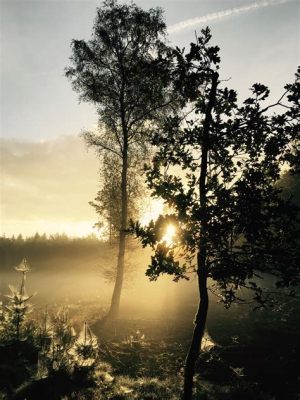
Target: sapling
63,339
18,307
85,348
45,346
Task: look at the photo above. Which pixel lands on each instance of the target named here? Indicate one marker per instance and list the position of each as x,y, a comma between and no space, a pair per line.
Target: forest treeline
40,248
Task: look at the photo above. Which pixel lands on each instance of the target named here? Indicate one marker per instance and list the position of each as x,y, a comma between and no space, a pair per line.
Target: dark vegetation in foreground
57,355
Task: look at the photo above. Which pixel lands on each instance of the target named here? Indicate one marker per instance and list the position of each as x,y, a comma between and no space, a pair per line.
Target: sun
168,237
153,208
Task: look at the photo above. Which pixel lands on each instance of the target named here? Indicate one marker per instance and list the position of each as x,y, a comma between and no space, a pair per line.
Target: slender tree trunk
116,297
202,272
200,322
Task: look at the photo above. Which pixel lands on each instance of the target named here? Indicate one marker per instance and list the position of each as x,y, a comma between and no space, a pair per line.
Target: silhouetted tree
123,71
231,221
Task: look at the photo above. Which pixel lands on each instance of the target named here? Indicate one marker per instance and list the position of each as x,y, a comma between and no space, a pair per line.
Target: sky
47,175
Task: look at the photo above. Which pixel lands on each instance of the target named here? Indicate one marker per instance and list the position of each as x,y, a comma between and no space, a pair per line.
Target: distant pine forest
40,247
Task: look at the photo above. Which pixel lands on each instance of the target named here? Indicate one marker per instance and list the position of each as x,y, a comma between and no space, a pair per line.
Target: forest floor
247,355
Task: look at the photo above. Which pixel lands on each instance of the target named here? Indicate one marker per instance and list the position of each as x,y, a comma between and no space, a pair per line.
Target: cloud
46,186
189,23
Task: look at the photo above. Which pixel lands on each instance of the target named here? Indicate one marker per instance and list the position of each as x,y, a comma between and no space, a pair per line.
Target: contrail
189,23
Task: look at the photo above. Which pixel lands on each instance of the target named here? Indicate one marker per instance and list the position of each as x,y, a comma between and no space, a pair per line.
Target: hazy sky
47,177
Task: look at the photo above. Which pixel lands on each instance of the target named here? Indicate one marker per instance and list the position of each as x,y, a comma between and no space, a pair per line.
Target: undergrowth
45,358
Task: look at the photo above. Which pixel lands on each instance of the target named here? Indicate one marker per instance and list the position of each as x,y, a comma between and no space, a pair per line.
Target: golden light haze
46,187
169,235
151,210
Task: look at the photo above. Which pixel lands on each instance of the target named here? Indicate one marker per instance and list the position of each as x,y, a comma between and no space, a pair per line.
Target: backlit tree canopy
124,71
216,169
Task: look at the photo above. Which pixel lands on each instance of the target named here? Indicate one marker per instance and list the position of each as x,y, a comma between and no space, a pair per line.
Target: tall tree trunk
202,272
116,297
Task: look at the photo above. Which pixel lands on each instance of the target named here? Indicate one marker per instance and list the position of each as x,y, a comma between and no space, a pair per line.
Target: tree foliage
123,71
249,226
